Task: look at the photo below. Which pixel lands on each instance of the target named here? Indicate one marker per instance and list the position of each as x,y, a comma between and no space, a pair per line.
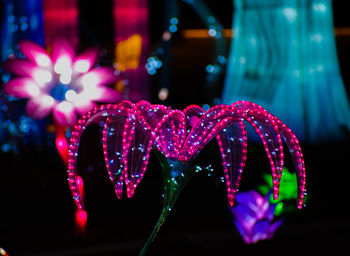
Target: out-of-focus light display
132,41
278,60
254,217
61,83
61,21
163,94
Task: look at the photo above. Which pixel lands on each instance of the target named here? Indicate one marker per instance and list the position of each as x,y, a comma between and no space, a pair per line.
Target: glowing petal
62,48
81,104
84,62
232,143
116,145
98,76
21,67
101,94
63,65
39,107
64,113
22,88
41,76
139,154
35,53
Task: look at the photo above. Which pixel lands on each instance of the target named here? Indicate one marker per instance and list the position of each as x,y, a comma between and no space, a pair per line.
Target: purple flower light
61,83
130,131
254,217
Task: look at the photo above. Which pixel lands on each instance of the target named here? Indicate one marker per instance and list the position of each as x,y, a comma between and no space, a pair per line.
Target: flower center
59,92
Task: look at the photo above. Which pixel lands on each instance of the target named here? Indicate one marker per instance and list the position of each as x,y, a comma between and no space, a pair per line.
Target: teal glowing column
283,57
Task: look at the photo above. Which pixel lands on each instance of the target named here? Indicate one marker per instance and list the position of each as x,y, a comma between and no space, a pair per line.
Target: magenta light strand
130,130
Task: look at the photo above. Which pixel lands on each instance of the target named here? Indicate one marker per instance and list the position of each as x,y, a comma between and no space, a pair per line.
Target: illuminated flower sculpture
61,83
131,130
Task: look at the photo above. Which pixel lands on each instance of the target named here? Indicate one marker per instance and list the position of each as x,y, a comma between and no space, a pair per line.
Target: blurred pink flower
61,83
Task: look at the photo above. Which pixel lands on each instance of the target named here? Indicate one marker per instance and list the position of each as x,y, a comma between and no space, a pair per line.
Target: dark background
36,208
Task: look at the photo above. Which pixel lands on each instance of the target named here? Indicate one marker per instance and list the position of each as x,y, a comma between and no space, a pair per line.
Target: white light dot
42,76
65,106
63,65
290,13
163,94
42,60
70,95
65,78
319,7
81,66
242,60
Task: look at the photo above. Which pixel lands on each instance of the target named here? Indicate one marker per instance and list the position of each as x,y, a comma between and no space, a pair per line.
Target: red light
80,221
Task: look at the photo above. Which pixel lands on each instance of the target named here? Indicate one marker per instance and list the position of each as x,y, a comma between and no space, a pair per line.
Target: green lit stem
173,186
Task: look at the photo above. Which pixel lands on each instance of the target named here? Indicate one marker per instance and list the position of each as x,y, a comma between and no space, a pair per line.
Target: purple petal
246,236
270,212
245,216
260,231
273,227
245,198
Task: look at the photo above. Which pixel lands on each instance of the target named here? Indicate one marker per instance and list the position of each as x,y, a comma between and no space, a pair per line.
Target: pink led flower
130,131
61,83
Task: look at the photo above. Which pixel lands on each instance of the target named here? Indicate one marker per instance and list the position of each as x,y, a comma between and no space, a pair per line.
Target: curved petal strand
152,113
95,115
206,128
297,157
116,144
268,131
193,113
139,153
171,133
232,142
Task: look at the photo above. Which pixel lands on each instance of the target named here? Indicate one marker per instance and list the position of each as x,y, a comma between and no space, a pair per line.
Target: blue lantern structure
21,20
283,57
